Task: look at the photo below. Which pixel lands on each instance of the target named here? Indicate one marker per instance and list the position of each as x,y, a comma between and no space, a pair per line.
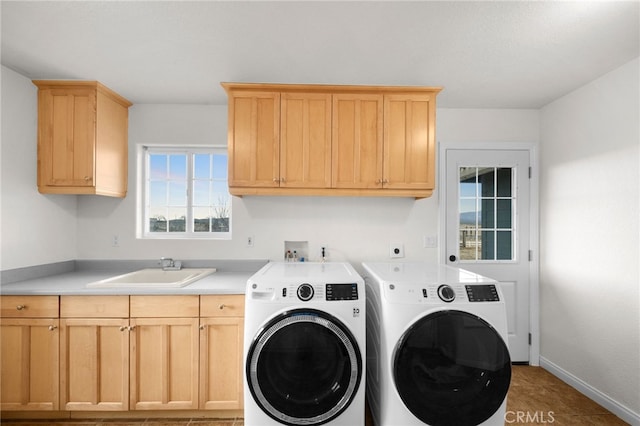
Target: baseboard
607,402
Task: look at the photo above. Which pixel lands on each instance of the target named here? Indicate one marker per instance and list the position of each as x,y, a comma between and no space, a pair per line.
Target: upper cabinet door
357,140
305,140
254,139
67,137
409,141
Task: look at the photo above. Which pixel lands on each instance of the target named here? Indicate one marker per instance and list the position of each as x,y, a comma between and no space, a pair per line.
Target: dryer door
452,368
304,367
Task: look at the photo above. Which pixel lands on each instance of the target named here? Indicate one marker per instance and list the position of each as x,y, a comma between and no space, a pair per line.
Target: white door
487,228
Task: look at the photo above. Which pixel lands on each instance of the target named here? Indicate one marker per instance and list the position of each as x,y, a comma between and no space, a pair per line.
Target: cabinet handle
87,178
282,180
21,307
52,327
202,327
385,181
378,180
276,180
123,328
222,306
131,327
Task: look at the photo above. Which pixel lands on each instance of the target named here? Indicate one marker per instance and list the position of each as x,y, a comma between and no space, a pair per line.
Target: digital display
342,291
482,293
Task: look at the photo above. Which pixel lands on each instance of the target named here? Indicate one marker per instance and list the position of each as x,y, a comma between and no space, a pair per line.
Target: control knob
446,293
305,292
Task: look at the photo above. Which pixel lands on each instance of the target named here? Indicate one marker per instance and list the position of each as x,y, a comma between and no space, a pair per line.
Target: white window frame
143,202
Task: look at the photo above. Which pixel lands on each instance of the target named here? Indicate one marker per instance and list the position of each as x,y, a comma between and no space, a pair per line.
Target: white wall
35,228
352,228
589,217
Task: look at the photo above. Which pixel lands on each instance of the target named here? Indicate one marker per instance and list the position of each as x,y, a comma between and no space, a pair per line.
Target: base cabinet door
29,364
221,363
164,364
94,369
221,344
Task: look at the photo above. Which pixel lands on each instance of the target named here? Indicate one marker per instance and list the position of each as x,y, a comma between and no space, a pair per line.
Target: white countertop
74,283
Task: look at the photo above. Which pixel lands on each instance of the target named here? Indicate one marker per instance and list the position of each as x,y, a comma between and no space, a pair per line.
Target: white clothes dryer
436,346
304,344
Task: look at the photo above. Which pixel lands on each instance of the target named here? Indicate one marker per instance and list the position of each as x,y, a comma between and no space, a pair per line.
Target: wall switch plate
250,241
396,250
430,241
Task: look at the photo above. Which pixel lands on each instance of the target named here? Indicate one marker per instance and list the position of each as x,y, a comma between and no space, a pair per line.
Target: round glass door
452,368
304,367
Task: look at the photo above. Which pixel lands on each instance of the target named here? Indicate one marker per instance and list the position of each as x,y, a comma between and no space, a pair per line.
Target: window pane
201,193
177,219
505,251
486,180
178,166
201,219
220,167
202,166
504,182
487,250
177,193
504,214
158,193
487,214
157,166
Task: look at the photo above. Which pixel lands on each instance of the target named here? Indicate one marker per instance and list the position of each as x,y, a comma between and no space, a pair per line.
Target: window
186,194
487,211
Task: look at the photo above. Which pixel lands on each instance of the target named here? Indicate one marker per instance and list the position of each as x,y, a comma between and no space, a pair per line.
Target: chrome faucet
168,264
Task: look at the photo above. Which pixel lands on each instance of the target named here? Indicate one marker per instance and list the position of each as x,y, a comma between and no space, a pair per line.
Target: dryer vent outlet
396,250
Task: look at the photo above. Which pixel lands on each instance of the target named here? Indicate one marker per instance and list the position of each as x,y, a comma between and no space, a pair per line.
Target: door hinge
529,339
530,172
530,255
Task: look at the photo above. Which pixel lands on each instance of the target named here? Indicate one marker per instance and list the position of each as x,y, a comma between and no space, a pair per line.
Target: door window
487,206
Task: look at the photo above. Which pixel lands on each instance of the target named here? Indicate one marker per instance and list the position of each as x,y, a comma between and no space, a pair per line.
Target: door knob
452,258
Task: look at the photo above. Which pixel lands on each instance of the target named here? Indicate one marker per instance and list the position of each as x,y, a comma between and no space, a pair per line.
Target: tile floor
535,397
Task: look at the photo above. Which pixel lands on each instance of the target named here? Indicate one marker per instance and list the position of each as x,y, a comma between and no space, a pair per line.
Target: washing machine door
304,367
452,368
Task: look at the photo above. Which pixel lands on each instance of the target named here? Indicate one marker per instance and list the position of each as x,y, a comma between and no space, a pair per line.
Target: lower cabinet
94,353
164,352
121,353
29,366
221,342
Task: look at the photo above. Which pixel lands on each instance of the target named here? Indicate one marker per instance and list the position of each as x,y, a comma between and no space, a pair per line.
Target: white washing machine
436,346
304,345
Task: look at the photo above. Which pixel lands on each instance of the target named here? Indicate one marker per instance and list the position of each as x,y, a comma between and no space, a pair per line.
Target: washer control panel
330,292
452,293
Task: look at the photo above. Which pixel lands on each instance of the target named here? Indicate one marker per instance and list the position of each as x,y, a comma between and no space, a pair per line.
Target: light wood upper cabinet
409,141
254,139
381,140
29,360
357,141
82,138
305,140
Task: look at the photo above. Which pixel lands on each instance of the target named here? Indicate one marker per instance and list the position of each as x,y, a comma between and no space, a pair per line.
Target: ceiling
518,54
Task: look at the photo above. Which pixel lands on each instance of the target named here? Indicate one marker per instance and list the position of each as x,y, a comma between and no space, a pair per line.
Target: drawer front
164,306
94,306
222,305
29,306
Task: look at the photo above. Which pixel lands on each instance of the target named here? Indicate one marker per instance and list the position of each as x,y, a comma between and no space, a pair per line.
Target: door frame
534,235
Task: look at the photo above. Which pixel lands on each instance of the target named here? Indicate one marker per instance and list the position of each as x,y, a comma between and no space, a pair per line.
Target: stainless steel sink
155,278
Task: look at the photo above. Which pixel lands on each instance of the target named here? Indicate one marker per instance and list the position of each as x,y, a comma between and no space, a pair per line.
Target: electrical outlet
396,250
115,241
